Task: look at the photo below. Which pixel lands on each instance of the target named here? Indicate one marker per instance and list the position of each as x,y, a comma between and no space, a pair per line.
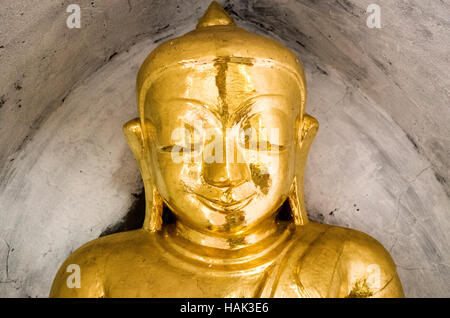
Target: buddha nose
227,172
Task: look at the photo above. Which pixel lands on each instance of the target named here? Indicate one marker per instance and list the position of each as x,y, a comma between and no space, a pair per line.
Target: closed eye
261,146
184,148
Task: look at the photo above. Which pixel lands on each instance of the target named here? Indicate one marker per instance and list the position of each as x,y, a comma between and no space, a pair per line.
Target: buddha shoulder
341,262
92,261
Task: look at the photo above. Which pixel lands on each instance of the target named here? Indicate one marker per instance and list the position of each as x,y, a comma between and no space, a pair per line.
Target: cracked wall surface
380,163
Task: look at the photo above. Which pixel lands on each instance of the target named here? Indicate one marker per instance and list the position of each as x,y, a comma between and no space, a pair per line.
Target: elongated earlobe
307,130
153,201
153,211
297,204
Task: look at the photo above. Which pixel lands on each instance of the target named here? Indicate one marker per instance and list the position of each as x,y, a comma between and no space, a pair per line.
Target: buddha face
223,145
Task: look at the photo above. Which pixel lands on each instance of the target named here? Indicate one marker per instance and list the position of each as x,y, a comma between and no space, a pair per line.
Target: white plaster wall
380,163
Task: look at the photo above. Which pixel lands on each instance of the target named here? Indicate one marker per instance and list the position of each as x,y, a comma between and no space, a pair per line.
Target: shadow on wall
134,218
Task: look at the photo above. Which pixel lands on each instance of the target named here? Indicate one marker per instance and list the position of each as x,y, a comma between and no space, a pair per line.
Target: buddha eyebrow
243,108
198,104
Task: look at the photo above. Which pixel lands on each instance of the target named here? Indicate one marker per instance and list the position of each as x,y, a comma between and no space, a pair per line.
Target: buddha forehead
225,84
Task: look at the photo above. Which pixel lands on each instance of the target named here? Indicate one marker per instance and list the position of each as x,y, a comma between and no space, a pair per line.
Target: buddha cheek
261,177
174,181
272,178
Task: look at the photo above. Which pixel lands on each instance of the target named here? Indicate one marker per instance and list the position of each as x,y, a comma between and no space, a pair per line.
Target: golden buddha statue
226,239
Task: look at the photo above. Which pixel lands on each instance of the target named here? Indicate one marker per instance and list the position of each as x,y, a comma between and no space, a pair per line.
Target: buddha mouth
225,207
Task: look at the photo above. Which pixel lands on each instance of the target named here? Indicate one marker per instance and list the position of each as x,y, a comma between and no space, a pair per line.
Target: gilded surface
239,101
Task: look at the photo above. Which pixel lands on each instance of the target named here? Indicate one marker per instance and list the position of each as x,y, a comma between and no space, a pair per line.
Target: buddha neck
256,246
229,241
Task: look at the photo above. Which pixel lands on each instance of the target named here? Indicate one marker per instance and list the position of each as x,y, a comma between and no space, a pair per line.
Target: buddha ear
153,201
306,131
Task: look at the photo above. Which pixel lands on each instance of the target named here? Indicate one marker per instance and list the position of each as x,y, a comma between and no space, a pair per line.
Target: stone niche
380,162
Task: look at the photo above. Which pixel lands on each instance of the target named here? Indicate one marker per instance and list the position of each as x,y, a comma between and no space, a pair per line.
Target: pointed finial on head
215,15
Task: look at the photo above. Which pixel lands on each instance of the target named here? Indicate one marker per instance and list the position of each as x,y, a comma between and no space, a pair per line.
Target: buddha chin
222,140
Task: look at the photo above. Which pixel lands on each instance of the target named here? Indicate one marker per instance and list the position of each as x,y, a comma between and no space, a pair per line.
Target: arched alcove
380,163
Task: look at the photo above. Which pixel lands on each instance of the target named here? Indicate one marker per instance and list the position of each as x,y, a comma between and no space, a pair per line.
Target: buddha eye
169,148
182,148
268,146
257,140
184,139
262,145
